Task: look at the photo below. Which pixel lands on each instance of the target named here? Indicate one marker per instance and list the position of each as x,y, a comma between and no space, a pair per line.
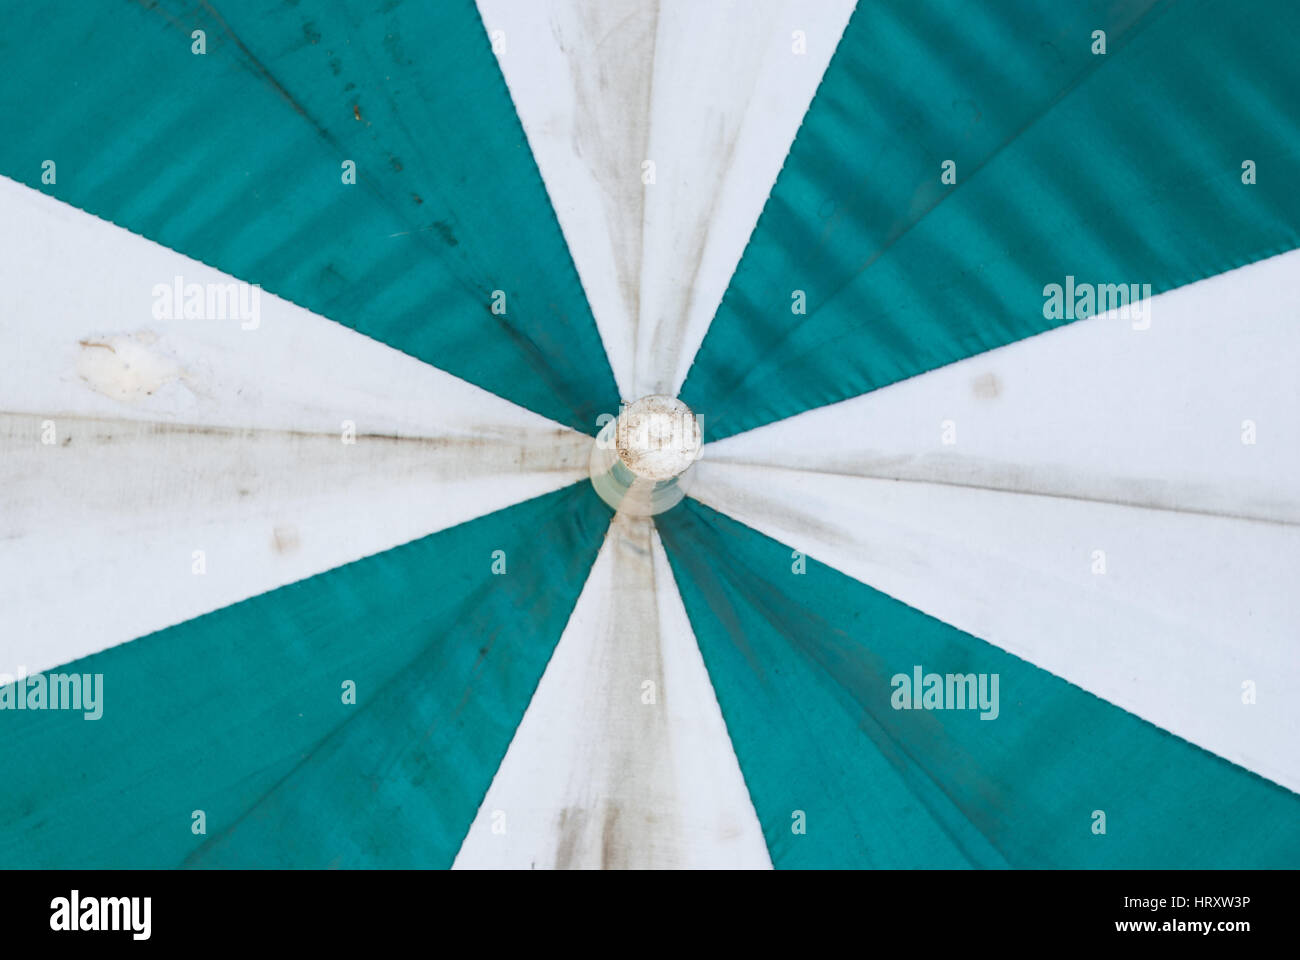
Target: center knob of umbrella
639,458
657,437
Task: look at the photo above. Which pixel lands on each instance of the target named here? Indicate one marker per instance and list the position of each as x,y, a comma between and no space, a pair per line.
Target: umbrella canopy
319,325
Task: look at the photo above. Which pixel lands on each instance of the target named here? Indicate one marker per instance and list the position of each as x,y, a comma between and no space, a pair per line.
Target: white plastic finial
640,459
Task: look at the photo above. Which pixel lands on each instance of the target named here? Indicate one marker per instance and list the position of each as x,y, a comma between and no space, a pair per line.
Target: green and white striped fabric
311,312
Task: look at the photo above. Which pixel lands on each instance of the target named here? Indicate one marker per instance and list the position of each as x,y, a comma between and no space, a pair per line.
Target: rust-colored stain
284,539
987,386
91,343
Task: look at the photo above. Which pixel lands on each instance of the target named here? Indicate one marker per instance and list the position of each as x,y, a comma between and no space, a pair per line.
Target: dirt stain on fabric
284,539
986,386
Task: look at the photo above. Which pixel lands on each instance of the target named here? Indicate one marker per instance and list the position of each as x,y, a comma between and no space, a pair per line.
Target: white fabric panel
710,91
171,436
596,776
1092,437
1094,409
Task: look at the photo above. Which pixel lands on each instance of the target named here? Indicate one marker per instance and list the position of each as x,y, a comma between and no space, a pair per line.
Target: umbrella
660,434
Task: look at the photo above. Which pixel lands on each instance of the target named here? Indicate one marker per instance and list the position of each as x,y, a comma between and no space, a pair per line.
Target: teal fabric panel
240,713
234,158
1116,168
802,666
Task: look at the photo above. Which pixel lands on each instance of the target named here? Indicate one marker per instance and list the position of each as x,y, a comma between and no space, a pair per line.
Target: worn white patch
127,368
